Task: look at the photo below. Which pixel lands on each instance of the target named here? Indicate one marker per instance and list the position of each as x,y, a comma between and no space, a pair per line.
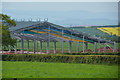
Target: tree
6,37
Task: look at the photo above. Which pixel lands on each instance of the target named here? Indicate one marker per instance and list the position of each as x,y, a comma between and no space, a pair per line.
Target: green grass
58,46
57,70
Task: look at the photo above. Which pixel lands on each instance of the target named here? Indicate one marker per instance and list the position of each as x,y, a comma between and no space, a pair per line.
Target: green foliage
7,21
90,59
6,37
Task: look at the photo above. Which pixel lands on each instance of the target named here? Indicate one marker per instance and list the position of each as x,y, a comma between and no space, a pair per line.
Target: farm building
44,31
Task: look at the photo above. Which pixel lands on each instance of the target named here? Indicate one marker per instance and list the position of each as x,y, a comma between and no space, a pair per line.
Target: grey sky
65,13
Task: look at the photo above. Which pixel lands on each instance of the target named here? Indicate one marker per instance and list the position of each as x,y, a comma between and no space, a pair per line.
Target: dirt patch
108,50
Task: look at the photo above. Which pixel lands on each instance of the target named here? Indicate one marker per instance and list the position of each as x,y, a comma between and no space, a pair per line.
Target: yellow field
111,30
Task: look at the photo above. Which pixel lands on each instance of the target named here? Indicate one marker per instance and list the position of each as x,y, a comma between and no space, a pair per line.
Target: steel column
98,46
28,46
86,47
104,47
22,45
40,46
62,43
54,47
34,46
10,48
77,47
70,46
16,47
114,47
2,49
83,44
62,47
95,47
37,46
48,50
48,41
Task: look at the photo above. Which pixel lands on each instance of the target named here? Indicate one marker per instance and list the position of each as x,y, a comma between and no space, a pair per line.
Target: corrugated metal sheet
22,24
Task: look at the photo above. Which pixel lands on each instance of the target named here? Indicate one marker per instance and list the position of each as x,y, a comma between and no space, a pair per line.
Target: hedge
89,59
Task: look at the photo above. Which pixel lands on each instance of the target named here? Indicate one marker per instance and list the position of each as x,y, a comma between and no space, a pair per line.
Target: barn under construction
49,32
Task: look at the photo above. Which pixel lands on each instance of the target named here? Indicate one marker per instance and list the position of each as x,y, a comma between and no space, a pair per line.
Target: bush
90,59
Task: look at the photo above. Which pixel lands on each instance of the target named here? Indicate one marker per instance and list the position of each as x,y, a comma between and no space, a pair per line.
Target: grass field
109,33
57,70
58,46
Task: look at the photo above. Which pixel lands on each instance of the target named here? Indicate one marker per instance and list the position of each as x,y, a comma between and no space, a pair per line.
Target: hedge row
90,59
92,53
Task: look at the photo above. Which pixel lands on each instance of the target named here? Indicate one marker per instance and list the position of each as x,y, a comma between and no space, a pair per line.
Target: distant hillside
95,26
107,32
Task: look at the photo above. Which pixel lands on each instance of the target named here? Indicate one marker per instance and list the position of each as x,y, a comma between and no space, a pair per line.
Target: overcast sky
65,13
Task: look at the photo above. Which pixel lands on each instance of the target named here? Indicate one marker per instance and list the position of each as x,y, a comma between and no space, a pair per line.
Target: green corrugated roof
22,24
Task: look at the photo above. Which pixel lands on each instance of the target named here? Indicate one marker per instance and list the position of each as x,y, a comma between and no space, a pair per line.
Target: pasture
57,70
